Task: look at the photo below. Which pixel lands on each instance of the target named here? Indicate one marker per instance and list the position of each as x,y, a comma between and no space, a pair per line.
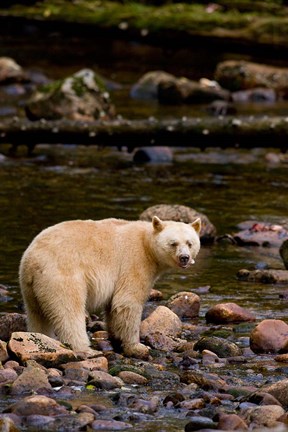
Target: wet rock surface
186,379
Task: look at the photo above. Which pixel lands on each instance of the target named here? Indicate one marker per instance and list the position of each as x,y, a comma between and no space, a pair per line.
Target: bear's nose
184,259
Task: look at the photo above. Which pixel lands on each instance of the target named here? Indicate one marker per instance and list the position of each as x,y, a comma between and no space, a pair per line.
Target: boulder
242,75
220,346
36,346
81,96
32,379
147,86
161,320
10,71
263,416
10,323
269,336
180,213
279,390
36,404
224,313
185,304
169,89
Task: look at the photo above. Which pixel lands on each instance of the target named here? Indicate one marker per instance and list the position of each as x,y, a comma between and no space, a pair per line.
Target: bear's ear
197,225
157,224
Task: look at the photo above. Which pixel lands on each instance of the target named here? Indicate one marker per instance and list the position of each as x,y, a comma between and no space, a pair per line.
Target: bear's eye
173,244
189,244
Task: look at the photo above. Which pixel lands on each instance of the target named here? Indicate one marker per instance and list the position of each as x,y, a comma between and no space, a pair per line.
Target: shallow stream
69,182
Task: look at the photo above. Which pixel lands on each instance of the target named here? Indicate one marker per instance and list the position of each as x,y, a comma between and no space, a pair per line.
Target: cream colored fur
82,266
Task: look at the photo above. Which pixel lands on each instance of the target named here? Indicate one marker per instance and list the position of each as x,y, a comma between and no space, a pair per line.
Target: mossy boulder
81,96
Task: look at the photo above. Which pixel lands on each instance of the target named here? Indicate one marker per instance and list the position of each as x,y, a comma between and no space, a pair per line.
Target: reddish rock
279,390
185,304
155,295
269,336
224,313
231,422
98,363
263,416
132,378
36,404
7,376
162,320
192,404
36,346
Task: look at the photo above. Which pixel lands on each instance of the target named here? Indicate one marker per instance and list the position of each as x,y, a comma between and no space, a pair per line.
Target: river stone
32,379
98,363
36,404
263,416
199,423
259,94
269,336
203,380
240,75
132,378
163,342
263,276
81,96
279,390
110,425
104,380
180,213
161,320
284,253
253,233
41,348
185,304
10,71
220,346
224,313
10,323
230,422
153,154
147,86
183,90
7,376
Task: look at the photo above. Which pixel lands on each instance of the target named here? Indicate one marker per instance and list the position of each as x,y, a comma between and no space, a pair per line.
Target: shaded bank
171,25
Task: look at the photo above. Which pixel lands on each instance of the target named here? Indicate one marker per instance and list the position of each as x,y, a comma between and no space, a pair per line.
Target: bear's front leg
123,320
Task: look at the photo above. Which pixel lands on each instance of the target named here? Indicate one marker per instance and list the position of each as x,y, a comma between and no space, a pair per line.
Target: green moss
191,18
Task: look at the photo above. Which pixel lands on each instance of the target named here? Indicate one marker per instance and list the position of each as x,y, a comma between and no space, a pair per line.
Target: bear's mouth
187,264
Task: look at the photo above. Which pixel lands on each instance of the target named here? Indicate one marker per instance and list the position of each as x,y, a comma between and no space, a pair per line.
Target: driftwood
244,132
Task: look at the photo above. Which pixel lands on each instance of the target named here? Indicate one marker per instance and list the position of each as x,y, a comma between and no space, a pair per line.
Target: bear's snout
184,260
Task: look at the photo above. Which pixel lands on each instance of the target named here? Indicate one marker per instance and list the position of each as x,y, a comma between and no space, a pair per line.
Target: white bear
82,266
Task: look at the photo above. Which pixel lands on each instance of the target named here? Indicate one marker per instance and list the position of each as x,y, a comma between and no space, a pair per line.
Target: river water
69,182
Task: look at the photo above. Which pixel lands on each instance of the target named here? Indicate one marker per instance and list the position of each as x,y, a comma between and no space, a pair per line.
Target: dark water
68,182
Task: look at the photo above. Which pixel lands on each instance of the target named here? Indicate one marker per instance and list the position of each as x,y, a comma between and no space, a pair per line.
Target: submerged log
245,132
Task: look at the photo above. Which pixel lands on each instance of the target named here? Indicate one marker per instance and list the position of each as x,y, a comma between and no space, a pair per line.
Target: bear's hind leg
36,321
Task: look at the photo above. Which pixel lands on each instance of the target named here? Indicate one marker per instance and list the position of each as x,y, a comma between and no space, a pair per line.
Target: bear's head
176,244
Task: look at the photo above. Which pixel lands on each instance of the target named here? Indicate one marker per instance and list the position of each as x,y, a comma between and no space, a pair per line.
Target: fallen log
244,132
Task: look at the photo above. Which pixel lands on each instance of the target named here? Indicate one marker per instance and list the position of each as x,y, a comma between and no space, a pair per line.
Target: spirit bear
81,266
